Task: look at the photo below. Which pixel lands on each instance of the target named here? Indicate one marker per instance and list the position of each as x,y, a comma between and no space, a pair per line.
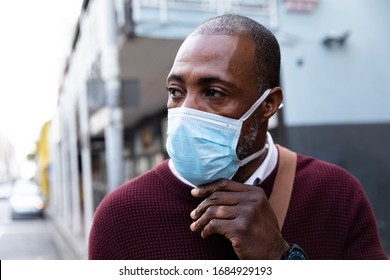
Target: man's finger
218,198
214,212
220,185
217,226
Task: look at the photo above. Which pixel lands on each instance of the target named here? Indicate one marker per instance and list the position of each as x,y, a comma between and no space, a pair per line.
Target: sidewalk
69,247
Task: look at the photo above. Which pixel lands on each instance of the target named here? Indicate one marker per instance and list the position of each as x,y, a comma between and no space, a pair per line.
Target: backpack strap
282,189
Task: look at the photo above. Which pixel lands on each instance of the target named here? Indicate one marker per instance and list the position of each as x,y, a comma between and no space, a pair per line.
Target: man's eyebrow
175,77
203,80
209,80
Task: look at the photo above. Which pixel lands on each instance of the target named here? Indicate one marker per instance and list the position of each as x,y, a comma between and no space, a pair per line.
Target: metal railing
266,8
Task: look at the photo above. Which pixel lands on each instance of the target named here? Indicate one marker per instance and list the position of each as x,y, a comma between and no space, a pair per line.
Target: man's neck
247,170
261,167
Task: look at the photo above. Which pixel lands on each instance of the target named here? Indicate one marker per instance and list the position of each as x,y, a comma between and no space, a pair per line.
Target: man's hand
242,214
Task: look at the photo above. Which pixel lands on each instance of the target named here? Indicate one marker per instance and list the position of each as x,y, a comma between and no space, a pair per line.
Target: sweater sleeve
100,234
330,216
110,226
363,239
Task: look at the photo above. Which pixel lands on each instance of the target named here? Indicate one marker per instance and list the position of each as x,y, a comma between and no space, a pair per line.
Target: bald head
266,61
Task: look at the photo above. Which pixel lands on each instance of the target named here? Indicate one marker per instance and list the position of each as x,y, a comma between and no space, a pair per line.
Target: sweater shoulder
327,189
121,212
137,189
328,204
314,172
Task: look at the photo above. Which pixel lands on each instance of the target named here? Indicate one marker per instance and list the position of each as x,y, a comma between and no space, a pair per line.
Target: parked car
26,200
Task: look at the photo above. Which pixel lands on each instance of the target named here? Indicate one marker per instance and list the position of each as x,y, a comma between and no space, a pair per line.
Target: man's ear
272,102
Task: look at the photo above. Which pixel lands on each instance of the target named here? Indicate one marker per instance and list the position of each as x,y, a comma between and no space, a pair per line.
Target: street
28,239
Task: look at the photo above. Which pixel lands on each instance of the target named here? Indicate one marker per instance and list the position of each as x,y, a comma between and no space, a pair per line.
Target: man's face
214,73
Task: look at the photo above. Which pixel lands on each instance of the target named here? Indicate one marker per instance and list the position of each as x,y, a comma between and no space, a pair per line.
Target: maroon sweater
149,218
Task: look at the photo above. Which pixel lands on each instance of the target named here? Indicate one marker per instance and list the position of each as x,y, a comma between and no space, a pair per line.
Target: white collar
268,165
262,172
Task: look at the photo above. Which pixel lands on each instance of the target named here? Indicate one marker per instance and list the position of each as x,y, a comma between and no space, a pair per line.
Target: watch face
296,255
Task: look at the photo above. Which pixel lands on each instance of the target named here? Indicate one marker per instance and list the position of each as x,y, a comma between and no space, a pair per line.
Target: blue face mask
202,146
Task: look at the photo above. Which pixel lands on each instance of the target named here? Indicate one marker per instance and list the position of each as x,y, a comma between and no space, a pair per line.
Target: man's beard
247,140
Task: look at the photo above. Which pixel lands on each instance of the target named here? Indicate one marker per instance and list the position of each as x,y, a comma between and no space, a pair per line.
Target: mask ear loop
242,119
255,105
246,115
253,156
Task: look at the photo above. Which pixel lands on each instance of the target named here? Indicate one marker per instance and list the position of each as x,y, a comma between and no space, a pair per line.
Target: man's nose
192,101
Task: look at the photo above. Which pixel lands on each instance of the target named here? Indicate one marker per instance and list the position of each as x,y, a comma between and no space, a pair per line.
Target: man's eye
214,93
174,93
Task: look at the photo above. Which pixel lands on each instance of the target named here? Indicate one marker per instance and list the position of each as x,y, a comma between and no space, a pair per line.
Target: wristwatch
294,253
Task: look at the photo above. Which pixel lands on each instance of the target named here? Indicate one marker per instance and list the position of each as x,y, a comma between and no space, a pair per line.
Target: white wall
348,85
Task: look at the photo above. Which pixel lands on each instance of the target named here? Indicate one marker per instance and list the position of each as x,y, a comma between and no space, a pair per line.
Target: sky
35,39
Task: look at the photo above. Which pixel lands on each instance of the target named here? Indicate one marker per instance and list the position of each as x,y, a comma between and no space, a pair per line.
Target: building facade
9,170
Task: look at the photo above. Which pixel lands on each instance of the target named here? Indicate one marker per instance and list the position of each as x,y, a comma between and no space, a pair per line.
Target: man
212,199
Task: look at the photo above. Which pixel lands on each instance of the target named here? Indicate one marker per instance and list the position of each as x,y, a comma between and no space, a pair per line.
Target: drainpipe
110,73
